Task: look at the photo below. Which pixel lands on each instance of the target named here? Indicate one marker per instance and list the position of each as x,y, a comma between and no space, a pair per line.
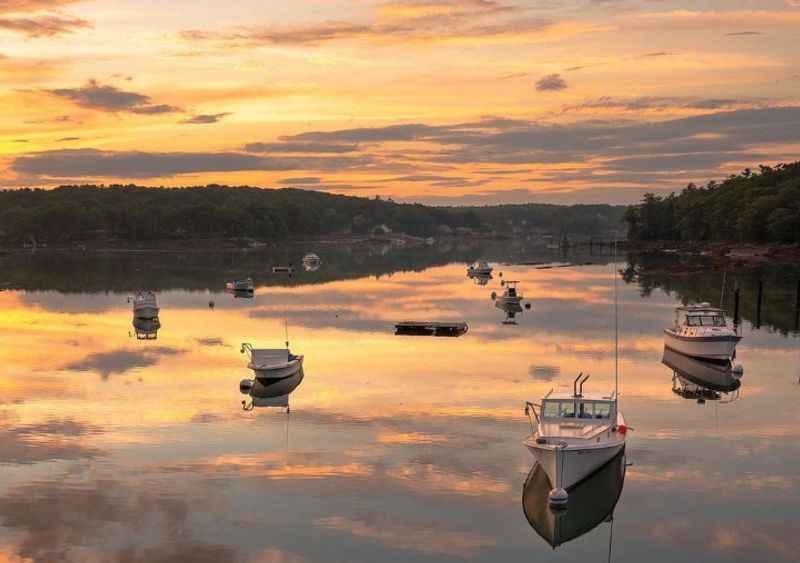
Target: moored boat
701,331
574,435
480,268
272,363
510,296
145,305
245,284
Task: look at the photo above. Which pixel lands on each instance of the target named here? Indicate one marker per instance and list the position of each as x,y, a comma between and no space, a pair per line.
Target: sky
436,101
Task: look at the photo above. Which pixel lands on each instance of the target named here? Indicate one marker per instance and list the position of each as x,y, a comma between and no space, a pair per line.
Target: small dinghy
430,328
145,305
480,268
272,363
701,331
245,284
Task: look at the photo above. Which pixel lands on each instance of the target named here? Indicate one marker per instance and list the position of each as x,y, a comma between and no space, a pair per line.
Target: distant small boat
701,331
282,270
481,279
510,296
431,328
479,268
145,305
272,363
311,262
245,284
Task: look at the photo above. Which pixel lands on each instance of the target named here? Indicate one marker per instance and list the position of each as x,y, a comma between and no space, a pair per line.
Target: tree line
755,207
135,213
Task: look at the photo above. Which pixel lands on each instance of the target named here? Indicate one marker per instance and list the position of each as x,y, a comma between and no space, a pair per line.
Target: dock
431,328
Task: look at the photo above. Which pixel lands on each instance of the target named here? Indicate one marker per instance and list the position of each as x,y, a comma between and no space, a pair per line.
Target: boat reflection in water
510,309
480,279
703,380
269,393
591,502
146,329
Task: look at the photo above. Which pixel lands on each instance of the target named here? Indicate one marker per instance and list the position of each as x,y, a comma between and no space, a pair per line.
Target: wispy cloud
551,83
205,118
96,96
44,26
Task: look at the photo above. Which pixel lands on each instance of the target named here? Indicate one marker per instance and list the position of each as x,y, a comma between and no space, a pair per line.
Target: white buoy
558,498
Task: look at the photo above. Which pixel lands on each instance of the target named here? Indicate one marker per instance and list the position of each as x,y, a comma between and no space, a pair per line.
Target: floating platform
430,328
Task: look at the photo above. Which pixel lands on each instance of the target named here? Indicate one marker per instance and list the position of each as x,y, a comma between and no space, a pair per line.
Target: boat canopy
269,356
578,407
700,315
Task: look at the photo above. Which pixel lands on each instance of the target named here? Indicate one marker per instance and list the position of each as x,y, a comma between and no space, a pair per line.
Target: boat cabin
699,316
563,407
511,288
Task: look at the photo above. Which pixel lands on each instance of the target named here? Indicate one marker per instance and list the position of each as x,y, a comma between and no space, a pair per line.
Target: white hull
566,467
289,369
504,301
714,348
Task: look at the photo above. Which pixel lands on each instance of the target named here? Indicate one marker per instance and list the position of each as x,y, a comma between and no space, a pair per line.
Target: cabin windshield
705,320
595,410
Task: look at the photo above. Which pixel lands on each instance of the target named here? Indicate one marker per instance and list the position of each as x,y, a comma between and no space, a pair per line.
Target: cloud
662,103
211,341
743,34
110,98
205,118
80,163
302,180
551,83
121,361
67,139
44,26
301,147
24,6
401,21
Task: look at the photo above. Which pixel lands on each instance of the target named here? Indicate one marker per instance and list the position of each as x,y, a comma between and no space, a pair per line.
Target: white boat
311,262
145,305
575,435
510,296
146,329
272,363
701,331
245,284
480,268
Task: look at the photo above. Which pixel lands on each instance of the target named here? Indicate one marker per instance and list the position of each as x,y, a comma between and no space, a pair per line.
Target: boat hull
719,348
283,372
566,467
145,311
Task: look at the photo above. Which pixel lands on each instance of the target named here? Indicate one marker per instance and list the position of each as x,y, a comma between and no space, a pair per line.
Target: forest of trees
81,213
752,207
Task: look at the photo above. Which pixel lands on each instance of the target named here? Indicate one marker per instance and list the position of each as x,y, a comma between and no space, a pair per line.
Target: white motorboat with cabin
701,331
575,435
145,305
272,363
245,284
510,296
480,268
311,262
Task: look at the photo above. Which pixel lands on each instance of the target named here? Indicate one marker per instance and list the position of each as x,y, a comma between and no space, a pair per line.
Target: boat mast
616,336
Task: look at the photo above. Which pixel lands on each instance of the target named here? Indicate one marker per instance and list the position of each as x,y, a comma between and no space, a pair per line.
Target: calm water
396,448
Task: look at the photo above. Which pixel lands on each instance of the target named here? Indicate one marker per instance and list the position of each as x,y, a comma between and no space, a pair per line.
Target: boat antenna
286,330
616,334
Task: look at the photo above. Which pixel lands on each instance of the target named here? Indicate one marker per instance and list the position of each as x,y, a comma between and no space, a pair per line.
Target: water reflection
694,378
270,392
591,503
146,329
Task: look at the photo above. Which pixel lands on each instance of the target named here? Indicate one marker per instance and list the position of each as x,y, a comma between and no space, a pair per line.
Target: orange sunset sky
437,101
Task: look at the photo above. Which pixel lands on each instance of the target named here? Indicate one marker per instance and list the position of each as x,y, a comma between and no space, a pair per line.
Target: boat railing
531,408
247,347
